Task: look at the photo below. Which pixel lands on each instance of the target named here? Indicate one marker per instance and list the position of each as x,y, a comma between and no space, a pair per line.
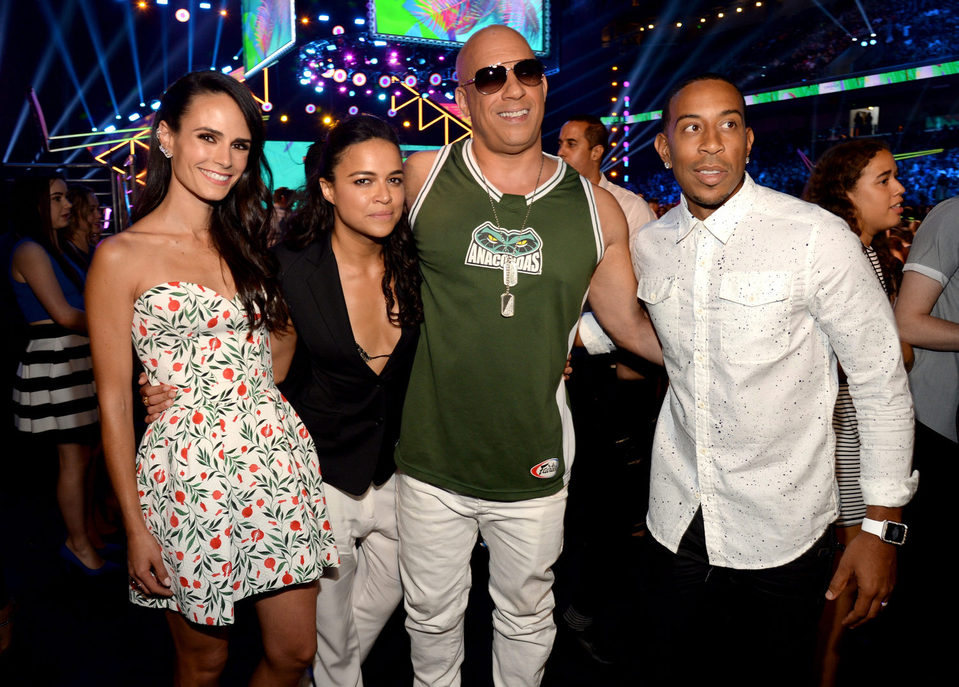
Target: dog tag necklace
507,301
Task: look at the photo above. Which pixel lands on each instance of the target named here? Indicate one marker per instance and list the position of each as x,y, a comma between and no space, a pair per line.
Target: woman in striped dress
857,181
54,397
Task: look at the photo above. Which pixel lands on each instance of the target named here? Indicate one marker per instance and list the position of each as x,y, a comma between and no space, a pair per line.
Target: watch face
895,532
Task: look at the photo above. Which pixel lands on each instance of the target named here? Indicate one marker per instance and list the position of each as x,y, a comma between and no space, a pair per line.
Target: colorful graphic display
269,31
451,22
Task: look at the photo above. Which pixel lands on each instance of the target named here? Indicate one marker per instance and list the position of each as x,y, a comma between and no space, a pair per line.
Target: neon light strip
930,71
918,153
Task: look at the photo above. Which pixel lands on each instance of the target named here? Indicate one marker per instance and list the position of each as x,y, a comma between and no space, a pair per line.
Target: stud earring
166,153
747,159
667,165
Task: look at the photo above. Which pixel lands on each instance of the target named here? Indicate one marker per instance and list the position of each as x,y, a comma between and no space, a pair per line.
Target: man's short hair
708,76
596,132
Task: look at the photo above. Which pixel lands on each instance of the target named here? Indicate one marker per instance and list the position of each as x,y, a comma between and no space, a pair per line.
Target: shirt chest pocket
659,295
754,314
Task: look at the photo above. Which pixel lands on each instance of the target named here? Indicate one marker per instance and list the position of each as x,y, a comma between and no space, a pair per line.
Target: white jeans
438,530
357,599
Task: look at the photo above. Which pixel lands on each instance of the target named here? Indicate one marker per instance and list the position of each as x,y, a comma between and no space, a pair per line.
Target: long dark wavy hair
31,219
240,223
830,182
313,217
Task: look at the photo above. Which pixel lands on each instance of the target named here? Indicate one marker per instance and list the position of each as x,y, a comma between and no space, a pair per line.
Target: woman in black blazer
351,280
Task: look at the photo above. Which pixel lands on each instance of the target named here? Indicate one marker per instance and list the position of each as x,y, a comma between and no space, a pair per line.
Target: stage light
864,44
284,119
222,13
142,5
310,109
739,9
266,107
651,26
616,69
406,124
872,41
759,4
381,96
109,129
435,79
359,79
339,75
384,81
679,25
163,2
154,105
615,83
338,30
873,35
353,109
304,20
411,80
626,84
359,21
327,120
324,17
133,117
205,5
352,93
142,104
702,20
614,99
391,113
182,15
721,15
227,69
379,44
318,89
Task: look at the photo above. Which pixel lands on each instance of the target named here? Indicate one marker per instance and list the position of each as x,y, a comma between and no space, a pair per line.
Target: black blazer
352,413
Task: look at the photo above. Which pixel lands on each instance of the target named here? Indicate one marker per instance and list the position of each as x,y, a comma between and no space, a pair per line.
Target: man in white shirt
583,141
754,296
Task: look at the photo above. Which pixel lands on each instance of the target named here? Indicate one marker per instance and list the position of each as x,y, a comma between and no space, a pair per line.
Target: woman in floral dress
224,498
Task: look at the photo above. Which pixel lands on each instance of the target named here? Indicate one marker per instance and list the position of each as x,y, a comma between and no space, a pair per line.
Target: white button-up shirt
752,307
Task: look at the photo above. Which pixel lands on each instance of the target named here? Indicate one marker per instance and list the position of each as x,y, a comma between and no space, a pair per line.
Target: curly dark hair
834,176
313,217
240,223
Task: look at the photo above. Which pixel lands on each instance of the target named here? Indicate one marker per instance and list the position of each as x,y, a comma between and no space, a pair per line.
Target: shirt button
700,404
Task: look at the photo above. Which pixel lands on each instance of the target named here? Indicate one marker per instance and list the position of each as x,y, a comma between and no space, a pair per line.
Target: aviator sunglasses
491,79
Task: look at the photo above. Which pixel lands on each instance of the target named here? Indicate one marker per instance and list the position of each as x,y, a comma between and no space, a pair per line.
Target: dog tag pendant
509,271
506,304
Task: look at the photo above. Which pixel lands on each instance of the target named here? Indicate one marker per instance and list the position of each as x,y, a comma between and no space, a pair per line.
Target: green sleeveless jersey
486,413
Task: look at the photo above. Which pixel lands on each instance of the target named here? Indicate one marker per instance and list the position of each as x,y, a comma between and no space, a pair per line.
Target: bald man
510,240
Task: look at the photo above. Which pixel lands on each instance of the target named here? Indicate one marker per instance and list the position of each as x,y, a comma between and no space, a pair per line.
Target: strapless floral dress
228,477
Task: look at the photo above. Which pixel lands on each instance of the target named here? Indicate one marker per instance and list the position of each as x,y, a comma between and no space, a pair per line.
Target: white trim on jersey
438,161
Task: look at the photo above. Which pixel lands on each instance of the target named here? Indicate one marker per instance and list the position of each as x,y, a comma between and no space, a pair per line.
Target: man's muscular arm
612,290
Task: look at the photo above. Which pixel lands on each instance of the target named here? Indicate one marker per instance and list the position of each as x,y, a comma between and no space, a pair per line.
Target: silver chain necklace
507,302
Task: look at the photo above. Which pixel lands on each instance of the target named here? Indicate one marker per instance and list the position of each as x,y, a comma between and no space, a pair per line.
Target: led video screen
269,31
451,22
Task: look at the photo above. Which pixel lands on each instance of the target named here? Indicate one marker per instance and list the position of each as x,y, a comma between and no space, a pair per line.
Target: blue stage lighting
205,5
324,17
381,96
109,129
135,116
163,2
359,22
379,44
227,69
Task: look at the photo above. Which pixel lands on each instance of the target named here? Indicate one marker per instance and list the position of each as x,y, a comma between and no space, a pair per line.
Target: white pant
357,599
437,533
